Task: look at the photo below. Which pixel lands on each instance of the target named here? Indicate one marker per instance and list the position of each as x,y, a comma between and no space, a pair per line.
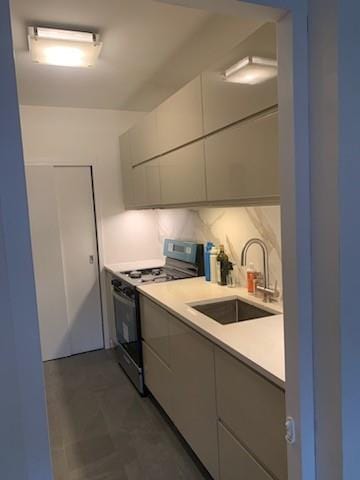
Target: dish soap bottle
251,277
222,263
213,264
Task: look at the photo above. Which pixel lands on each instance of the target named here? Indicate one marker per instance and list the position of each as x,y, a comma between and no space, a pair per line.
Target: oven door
126,323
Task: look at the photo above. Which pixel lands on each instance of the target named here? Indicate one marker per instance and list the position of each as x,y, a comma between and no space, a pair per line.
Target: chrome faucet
269,293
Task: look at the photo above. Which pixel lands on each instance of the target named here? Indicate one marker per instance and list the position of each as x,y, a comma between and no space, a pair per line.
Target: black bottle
222,266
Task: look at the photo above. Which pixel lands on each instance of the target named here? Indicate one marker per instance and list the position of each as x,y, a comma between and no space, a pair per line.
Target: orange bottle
251,277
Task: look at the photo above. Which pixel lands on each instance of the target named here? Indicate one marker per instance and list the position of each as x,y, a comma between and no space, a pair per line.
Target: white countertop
258,343
125,266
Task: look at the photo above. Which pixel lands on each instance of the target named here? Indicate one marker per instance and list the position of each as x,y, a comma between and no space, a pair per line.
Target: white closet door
79,253
46,249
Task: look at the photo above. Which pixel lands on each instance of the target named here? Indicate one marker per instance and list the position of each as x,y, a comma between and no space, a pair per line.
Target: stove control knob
129,292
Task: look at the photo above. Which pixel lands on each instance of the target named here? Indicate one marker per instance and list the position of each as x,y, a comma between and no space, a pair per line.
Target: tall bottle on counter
222,266
208,248
251,278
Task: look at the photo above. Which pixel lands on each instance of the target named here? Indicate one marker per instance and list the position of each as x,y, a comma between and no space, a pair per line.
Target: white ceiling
150,50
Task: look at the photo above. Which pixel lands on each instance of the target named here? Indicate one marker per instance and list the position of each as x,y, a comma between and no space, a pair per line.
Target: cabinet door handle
91,259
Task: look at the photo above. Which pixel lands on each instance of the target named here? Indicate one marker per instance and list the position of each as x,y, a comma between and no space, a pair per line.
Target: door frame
97,236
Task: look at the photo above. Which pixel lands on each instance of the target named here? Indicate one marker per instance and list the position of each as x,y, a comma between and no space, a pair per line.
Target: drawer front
158,378
235,462
155,328
254,408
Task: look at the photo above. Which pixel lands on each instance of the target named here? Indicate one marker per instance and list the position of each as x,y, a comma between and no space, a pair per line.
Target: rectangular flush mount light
67,48
251,70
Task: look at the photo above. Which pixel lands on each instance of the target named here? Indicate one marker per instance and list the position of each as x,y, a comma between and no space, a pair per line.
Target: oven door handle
122,298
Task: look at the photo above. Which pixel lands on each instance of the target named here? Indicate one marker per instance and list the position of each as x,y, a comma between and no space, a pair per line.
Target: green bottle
222,266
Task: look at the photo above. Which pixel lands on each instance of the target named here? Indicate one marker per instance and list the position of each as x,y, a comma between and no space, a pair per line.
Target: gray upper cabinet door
224,102
126,171
254,409
139,186
242,161
182,175
144,139
146,184
193,402
179,118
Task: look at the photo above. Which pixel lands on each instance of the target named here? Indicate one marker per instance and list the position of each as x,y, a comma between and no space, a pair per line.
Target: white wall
76,136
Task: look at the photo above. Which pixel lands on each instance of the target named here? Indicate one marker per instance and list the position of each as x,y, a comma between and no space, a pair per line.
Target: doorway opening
292,37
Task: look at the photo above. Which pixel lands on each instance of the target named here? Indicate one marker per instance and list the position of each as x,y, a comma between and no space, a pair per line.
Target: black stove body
183,260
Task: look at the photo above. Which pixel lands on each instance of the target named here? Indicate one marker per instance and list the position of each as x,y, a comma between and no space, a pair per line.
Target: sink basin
231,311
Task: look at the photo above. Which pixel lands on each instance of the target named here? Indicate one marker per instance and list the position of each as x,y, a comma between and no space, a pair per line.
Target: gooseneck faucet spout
265,252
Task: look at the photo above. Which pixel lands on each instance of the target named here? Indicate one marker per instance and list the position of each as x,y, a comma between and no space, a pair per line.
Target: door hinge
290,436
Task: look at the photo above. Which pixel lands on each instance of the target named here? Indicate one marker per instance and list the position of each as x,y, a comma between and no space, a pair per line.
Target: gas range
143,276
153,275
183,260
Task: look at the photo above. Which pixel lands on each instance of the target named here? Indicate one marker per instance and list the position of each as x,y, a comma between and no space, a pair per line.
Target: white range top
258,343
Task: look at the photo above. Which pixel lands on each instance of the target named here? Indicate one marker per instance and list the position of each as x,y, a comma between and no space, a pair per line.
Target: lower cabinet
194,405
158,378
155,328
254,409
232,417
235,462
185,387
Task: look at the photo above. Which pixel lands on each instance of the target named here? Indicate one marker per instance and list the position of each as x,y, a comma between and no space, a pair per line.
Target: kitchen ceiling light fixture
65,48
251,70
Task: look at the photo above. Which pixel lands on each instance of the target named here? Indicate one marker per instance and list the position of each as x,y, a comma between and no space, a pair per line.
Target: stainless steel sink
231,311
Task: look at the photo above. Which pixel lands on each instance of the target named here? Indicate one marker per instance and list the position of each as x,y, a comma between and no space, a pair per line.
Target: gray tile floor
101,429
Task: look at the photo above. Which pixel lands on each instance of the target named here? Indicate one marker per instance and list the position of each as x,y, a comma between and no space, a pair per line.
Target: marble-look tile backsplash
232,226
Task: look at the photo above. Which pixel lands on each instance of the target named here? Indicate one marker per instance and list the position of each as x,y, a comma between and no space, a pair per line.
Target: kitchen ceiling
150,50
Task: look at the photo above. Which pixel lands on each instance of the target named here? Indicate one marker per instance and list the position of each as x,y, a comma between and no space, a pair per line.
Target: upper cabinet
179,118
146,184
144,139
182,175
126,170
242,162
211,142
225,102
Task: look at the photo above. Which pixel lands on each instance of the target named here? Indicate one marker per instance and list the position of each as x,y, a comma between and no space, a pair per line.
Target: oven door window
126,325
